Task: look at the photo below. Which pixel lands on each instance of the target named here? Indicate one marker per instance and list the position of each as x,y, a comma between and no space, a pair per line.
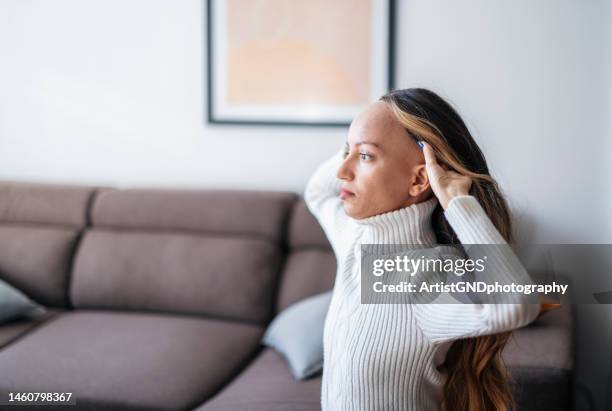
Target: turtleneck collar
409,225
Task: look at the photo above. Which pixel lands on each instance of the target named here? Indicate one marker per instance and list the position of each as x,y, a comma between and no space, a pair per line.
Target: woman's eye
345,154
365,156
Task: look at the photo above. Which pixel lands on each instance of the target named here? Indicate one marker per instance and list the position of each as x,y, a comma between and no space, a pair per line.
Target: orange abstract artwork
276,54
297,62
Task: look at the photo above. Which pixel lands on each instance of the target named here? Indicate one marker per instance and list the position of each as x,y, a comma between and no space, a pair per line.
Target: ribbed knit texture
387,356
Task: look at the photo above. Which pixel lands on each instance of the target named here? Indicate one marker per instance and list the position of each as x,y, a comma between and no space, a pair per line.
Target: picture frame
287,62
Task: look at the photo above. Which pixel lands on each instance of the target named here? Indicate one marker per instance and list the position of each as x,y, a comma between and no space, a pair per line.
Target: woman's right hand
446,184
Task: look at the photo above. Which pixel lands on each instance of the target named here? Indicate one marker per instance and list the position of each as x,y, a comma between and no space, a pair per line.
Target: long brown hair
477,378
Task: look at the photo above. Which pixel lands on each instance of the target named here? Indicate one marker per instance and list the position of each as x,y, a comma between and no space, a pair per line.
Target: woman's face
383,168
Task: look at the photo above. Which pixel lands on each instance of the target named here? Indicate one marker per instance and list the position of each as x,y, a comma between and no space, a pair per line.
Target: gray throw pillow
297,333
14,303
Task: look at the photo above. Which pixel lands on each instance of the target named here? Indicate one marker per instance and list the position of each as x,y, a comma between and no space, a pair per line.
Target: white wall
113,92
528,76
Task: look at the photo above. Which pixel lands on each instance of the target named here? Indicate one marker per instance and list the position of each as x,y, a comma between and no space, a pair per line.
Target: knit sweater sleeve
322,199
445,322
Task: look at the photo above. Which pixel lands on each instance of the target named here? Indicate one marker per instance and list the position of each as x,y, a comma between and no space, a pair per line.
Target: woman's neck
408,225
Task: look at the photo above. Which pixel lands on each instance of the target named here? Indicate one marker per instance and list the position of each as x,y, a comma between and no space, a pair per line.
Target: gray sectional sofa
158,298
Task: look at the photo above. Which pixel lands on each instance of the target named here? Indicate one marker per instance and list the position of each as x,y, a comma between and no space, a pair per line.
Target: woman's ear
420,181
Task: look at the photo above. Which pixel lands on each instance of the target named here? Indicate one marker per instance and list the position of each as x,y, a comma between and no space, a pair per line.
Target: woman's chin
349,209
352,211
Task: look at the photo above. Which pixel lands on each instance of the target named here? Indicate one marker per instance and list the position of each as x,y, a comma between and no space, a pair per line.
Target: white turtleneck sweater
388,356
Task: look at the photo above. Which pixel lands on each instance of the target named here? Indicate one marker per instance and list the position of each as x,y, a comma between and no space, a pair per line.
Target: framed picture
292,62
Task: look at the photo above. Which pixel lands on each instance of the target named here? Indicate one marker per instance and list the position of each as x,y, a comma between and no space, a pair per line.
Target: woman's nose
344,172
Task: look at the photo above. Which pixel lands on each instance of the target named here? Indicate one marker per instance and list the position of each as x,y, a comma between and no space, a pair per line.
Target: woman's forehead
376,124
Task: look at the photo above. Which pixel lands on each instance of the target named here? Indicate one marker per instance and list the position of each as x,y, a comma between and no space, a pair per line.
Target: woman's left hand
446,184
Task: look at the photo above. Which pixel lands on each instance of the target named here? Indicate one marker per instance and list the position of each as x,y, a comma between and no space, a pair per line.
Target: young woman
411,173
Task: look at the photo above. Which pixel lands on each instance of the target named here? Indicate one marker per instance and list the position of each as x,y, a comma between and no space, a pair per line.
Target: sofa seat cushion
129,361
267,385
14,329
542,375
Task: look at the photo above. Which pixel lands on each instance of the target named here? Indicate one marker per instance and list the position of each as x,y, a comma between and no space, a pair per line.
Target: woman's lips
345,194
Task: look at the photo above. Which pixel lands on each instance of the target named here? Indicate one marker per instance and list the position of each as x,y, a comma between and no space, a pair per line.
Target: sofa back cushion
40,225
204,252
310,266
